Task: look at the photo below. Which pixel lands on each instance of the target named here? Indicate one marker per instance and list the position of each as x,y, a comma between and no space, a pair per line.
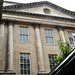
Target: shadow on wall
1,6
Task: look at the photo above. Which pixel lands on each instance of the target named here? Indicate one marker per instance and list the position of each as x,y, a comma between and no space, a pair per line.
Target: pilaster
40,57
10,46
61,33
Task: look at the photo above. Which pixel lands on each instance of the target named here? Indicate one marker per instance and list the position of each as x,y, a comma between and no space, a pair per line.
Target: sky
67,4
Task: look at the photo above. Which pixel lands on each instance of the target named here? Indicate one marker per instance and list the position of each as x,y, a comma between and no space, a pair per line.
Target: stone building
29,34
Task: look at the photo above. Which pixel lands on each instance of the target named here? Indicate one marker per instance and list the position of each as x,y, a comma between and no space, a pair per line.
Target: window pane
51,59
71,41
25,72
21,38
27,31
21,56
21,71
24,34
28,61
24,60
28,71
21,60
72,38
25,64
49,37
21,65
26,38
21,30
28,67
52,41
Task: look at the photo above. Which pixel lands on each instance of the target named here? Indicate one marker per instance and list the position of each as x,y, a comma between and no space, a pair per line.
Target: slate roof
35,4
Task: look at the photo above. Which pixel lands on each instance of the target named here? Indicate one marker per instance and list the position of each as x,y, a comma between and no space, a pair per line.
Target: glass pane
71,41
51,33
21,66
21,60
51,59
26,38
46,32
52,41
70,34
21,30
21,56
28,61
25,72
28,67
49,37
21,38
24,60
24,66
28,71
28,57
21,71
47,40
26,31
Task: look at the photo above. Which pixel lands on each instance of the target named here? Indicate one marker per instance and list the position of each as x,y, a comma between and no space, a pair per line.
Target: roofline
29,5
12,2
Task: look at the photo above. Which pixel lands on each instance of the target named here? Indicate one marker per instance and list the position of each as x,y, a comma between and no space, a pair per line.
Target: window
72,38
51,59
24,34
25,66
49,36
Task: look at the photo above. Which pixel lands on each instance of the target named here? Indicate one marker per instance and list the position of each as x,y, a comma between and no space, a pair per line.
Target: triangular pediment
45,8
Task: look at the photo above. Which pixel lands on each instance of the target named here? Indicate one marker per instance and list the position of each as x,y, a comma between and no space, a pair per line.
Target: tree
65,49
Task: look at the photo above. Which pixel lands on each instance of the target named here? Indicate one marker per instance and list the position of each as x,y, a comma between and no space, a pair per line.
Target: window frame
25,54
49,36
71,36
50,60
24,35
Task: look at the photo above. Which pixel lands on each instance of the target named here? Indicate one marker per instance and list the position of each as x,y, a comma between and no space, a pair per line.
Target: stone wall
31,48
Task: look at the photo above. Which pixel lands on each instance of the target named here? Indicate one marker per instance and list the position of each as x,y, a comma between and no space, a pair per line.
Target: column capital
36,25
60,27
11,23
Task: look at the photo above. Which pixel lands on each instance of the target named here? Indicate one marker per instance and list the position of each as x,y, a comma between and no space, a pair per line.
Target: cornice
10,12
42,21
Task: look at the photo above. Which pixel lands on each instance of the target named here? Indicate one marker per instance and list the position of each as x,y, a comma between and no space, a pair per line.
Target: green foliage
65,49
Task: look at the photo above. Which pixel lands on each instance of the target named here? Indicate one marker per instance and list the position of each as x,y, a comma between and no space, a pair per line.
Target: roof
34,4
67,66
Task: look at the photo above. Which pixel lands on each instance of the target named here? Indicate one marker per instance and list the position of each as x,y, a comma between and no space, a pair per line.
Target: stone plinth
7,72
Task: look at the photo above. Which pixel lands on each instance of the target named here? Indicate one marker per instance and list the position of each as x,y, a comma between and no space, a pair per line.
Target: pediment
45,8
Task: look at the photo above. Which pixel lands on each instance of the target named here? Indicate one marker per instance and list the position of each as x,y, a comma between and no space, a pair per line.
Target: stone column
2,44
39,50
61,33
10,47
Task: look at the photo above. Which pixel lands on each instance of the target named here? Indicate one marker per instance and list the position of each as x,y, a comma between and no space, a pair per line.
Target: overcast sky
68,4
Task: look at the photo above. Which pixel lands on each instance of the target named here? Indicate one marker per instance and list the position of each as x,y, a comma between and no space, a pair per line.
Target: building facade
29,34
